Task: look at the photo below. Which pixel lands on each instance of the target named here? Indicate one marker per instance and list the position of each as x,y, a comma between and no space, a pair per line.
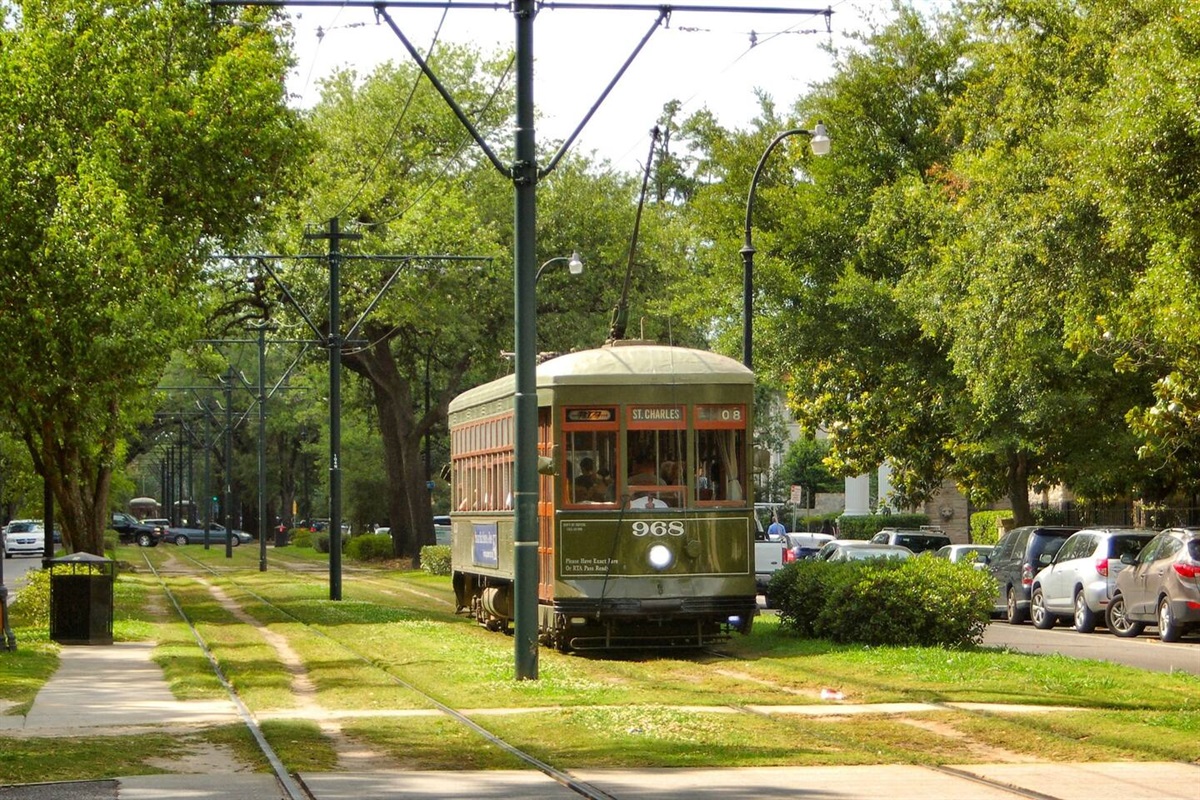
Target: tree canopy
135,139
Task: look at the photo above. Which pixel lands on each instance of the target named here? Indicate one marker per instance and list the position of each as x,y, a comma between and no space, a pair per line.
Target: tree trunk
403,429
1018,488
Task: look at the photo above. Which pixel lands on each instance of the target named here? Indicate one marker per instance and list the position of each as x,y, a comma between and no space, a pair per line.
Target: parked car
216,535
916,540
856,550
1161,586
1079,581
24,537
799,546
129,529
976,554
1017,557
441,528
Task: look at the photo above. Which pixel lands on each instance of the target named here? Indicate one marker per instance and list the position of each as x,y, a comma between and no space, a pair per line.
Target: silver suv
1079,582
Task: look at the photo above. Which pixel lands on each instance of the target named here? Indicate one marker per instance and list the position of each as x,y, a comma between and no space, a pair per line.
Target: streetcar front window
590,460
657,459
722,447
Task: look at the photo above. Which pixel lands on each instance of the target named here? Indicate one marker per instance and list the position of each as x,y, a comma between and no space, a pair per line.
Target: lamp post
574,265
819,140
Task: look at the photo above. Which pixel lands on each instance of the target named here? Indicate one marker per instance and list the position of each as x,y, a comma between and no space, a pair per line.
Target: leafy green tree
393,159
804,465
137,139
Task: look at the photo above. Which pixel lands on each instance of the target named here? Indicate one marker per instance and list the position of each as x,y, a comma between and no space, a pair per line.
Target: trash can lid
81,558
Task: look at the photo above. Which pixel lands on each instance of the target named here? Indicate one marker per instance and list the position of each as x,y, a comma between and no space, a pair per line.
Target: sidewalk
79,701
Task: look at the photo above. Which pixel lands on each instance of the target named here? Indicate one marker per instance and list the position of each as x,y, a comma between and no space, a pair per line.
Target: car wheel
181,539
236,542
144,540
1120,623
1015,616
1169,630
1042,619
1085,618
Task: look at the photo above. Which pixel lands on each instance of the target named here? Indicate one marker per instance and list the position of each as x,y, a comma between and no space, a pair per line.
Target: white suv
1080,580
24,537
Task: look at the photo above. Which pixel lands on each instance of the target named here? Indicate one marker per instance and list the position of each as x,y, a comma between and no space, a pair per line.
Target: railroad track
293,785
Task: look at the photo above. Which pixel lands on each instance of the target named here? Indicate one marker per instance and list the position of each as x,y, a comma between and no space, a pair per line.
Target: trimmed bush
921,601
301,537
320,542
985,526
371,547
435,559
864,527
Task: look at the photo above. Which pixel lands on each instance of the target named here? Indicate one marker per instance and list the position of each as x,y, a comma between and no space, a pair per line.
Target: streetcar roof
631,364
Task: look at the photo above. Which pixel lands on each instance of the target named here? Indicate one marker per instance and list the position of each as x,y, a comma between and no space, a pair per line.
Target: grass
645,709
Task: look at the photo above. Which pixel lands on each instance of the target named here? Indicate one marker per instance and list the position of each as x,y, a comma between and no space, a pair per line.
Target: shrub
864,527
985,526
300,537
320,542
30,607
435,559
371,547
921,601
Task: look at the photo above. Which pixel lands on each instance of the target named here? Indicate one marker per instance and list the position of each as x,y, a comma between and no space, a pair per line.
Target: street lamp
819,141
574,265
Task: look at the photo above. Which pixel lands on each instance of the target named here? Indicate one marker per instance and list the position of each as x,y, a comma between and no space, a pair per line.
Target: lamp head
819,140
575,265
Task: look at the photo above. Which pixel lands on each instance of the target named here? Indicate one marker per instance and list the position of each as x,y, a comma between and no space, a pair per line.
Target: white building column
858,496
885,488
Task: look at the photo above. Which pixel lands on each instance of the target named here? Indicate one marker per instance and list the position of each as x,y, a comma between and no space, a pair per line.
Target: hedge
371,547
985,526
922,601
864,527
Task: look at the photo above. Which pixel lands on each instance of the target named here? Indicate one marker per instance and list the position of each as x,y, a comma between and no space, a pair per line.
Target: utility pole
262,450
335,237
228,499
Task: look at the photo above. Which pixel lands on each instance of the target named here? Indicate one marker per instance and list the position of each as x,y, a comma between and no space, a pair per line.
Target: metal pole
207,476
748,245
228,461
262,451
525,488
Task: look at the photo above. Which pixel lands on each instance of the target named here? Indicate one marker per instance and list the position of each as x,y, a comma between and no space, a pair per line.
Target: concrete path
118,690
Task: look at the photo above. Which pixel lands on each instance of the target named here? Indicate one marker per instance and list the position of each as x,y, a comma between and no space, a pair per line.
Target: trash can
81,599
282,536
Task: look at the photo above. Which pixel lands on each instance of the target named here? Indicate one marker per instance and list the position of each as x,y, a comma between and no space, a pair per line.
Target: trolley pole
335,236
525,494
262,450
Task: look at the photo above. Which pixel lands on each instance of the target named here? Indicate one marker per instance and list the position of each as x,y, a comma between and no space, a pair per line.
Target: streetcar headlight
661,557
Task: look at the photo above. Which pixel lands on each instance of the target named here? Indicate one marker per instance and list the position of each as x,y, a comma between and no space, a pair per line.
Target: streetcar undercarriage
610,623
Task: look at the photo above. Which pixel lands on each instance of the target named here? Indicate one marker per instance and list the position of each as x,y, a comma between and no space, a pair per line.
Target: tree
394,160
137,140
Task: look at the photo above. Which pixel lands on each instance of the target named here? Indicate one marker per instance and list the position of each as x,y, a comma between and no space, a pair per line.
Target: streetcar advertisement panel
485,540
653,545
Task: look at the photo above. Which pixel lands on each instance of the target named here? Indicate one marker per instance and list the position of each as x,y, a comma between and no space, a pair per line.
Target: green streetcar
645,519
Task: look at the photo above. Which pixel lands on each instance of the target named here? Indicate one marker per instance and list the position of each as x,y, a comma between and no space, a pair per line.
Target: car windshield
920,542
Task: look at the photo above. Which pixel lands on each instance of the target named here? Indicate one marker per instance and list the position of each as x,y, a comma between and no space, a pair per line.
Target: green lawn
393,636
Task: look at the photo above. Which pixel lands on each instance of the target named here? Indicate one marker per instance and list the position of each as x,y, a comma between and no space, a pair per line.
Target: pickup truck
130,530
768,557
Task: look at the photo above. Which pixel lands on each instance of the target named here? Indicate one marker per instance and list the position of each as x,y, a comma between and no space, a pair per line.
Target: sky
705,60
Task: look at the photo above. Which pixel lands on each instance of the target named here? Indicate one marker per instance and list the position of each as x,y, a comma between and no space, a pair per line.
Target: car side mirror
1129,559
1045,558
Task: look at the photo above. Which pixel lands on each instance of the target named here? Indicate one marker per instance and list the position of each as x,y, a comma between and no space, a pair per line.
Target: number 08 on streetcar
645,522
